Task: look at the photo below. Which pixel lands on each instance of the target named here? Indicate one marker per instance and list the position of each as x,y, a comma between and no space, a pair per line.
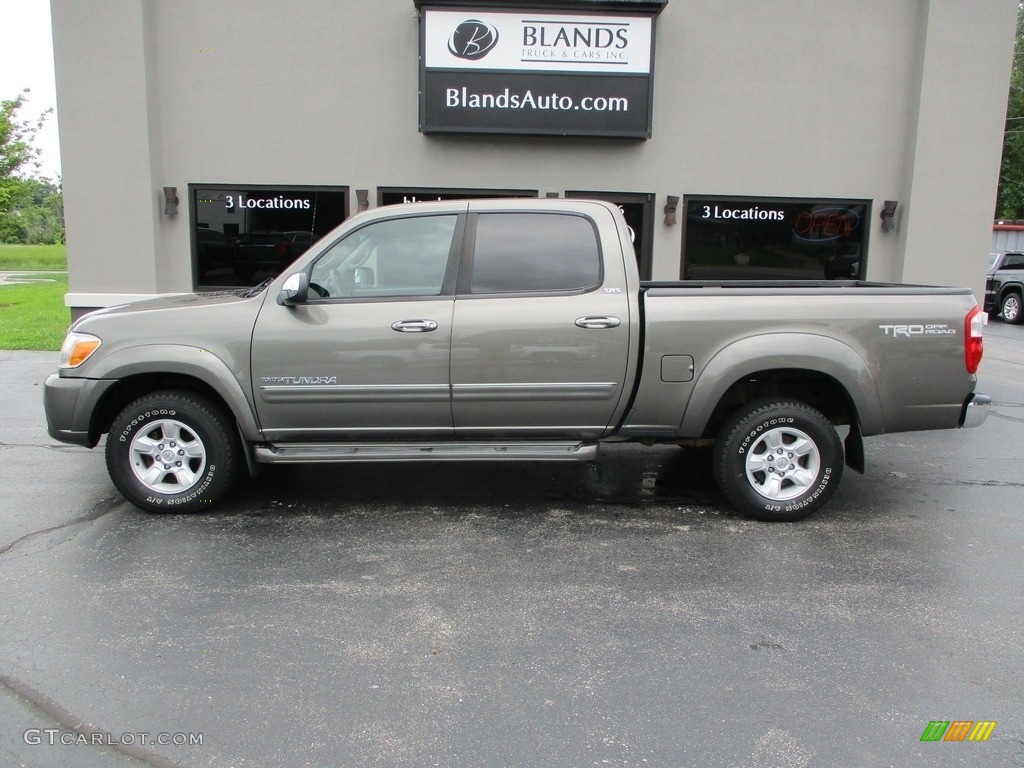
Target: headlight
77,348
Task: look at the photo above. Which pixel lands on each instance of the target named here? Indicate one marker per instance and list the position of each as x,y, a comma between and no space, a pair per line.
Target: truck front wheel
778,461
172,452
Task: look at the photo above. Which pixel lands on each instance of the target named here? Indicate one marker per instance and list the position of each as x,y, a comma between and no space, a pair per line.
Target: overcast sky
26,61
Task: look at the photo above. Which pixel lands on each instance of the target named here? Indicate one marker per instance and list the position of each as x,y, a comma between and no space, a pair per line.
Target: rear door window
533,252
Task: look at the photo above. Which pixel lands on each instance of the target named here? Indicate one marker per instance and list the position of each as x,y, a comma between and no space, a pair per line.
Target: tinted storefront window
245,234
774,239
400,195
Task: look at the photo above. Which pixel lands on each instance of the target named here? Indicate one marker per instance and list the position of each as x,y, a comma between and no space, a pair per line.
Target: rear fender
789,351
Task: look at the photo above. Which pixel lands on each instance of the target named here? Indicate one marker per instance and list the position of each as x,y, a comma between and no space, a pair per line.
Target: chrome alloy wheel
1011,308
782,463
167,457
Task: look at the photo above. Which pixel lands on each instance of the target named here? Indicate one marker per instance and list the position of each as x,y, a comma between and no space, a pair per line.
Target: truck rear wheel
1010,309
778,461
172,452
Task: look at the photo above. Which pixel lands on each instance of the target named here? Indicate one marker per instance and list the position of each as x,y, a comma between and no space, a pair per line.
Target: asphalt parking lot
606,614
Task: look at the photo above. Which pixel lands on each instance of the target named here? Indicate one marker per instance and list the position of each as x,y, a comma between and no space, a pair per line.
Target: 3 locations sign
530,72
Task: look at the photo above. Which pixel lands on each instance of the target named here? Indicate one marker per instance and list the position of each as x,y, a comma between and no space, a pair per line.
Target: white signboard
527,41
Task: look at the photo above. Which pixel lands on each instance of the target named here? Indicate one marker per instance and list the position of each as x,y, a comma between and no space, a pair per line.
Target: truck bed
775,287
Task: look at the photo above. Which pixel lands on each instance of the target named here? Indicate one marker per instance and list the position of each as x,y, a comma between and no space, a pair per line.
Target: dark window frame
193,189
454,193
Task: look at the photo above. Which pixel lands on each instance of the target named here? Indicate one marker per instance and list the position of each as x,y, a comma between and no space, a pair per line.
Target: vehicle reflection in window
243,236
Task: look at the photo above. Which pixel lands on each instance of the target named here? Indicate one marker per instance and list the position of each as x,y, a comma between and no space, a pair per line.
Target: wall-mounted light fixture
888,214
171,201
362,200
672,202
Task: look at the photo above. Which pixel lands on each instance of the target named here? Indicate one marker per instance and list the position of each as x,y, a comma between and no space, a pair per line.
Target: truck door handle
414,326
597,322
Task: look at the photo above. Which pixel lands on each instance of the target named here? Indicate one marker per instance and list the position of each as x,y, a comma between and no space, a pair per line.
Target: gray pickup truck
510,330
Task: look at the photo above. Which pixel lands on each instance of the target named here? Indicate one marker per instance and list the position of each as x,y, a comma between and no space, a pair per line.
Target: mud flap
854,448
251,465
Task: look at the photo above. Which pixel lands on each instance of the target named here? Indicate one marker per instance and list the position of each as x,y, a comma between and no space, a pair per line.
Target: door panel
529,361
341,371
368,354
521,366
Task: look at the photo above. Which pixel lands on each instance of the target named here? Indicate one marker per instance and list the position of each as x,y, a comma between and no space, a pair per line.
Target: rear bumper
975,410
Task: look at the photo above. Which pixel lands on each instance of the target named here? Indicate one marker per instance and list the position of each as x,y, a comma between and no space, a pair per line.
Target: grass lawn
18,257
34,316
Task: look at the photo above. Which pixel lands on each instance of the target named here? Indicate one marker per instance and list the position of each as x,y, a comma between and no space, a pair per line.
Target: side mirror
295,290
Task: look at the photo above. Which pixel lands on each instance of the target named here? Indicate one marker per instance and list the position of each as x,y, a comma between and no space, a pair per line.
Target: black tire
1011,309
172,452
798,481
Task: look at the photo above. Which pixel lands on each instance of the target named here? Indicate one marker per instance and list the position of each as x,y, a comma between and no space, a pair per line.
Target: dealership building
207,144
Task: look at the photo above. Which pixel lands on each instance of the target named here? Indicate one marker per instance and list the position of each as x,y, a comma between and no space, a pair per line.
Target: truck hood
190,302
187,319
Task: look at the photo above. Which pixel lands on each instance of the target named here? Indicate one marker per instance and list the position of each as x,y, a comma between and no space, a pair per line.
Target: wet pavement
31,276
606,614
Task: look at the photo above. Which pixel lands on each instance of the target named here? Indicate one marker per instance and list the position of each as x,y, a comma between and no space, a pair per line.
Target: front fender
789,351
232,385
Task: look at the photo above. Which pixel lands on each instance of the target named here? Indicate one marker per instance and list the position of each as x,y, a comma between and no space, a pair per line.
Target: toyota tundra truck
511,330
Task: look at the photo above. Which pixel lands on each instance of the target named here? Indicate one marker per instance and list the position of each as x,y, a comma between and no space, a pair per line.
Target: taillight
974,345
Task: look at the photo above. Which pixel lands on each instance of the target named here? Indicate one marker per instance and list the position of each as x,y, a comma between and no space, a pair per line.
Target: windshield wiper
248,293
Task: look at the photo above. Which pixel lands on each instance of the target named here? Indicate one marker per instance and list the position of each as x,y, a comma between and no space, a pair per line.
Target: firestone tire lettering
214,430
816,470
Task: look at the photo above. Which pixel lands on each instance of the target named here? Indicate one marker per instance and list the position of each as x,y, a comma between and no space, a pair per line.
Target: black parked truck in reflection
268,252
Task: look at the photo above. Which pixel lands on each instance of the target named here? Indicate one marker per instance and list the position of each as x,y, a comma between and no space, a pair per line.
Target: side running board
285,453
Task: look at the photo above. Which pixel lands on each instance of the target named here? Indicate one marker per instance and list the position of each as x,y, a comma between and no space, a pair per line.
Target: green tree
1010,200
16,137
33,213
31,207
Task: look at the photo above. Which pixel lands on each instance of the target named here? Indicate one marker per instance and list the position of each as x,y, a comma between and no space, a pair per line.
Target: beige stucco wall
877,100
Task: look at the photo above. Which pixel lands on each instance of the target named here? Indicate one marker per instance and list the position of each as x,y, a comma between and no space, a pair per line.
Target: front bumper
975,410
70,404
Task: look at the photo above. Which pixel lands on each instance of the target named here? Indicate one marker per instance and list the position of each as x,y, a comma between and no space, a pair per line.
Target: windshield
992,258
